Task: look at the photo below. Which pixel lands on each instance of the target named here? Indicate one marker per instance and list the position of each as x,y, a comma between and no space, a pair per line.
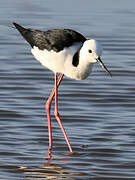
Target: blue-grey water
98,113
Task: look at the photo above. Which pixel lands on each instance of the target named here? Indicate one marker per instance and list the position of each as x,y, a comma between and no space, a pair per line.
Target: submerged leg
58,117
48,108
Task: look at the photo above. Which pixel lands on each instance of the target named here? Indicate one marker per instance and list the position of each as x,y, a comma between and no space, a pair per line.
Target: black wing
55,39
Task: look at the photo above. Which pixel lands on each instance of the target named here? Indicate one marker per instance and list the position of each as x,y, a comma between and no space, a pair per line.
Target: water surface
98,113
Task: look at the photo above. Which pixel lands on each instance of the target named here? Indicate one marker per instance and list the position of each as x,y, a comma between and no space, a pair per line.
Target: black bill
103,66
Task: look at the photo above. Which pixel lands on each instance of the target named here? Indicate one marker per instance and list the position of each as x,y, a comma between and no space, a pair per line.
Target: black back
55,39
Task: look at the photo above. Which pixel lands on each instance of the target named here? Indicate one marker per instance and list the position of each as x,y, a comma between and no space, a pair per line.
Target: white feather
61,62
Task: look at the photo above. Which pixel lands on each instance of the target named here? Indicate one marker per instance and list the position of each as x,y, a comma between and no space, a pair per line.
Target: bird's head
92,51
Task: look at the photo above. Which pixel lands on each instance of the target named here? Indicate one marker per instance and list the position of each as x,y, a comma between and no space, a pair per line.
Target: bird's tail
26,33
21,29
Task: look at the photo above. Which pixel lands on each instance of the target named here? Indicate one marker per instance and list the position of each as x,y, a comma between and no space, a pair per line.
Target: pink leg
58,117
48,107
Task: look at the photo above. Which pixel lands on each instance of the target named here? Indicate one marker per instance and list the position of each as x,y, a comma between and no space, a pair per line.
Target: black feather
55,39
75,61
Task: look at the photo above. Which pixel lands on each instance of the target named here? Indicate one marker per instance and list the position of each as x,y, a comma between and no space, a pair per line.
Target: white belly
61,62
55,61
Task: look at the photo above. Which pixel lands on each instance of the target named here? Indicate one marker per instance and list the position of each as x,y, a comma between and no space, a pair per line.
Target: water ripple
98,113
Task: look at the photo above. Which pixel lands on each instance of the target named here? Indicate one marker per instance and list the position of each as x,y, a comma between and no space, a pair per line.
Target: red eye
90,51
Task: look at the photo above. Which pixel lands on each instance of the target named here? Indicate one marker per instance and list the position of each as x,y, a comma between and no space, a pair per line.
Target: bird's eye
90,51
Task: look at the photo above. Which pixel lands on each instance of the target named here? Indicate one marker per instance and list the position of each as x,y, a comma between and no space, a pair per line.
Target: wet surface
98,113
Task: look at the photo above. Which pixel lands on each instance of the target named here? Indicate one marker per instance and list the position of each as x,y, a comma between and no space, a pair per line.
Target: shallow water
98,113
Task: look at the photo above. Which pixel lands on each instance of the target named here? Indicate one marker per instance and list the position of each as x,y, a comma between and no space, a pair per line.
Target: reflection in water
54,168
50,170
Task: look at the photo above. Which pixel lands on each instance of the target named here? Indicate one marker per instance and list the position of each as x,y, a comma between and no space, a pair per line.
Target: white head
91,52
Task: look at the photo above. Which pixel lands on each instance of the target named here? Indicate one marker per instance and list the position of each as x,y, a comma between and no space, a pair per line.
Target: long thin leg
57,115
48,107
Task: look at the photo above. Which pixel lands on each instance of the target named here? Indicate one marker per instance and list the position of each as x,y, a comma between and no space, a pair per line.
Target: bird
66,52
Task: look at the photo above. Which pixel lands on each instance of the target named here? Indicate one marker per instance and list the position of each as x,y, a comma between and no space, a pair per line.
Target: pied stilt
63,51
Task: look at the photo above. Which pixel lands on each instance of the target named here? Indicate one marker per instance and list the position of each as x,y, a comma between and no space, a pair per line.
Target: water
98,113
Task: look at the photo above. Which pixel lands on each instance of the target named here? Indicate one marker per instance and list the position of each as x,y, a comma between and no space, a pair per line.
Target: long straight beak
103,66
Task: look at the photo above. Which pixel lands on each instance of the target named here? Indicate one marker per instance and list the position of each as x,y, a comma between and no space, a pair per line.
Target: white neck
84,69
81,71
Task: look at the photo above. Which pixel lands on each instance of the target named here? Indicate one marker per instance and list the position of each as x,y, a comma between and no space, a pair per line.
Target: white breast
55,61
61,62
